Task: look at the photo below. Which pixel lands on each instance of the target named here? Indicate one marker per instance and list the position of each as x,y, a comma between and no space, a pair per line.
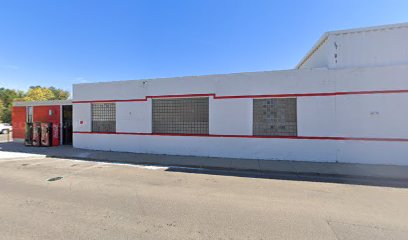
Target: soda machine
36,136
55,134
46,134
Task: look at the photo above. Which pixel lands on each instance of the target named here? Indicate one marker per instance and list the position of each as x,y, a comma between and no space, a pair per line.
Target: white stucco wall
81,117
382,47
352,116
320,57
134,117
231,117
316,116
251,148
356,48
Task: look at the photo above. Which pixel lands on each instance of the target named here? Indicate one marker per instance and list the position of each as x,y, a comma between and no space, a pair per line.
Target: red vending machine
46,134
36,137
55,134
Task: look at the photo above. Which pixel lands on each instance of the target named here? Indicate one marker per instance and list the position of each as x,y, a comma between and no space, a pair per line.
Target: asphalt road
112,201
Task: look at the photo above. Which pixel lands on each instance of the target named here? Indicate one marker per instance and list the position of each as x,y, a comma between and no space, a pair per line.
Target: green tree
1,110
6,116
59,94
38,93
6,97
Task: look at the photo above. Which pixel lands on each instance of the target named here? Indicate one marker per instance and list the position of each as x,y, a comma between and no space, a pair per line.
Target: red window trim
286,95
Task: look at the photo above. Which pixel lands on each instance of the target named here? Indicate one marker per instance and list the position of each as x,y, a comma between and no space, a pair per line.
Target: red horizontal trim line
250,96
250,136
147,97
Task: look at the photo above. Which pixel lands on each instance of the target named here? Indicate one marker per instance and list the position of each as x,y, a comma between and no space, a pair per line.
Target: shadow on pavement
290,176
202,165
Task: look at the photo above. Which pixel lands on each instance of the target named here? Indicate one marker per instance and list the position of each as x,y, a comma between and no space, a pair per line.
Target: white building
345,102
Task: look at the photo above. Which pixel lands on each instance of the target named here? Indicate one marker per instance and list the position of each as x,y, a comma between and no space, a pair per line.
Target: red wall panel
42,114
18,120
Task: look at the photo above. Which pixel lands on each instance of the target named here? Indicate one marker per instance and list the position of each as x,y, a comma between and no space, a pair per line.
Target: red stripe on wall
251,96
147,97
250,136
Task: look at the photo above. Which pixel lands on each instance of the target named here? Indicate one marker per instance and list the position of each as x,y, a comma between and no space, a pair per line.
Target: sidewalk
263,166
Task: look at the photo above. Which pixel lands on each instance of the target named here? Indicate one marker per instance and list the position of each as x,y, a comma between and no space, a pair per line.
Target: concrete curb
279,167
272,167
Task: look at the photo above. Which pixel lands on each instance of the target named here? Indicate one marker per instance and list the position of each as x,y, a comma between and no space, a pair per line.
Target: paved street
117,201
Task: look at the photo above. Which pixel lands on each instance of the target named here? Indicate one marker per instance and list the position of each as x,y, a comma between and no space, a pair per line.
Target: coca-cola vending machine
46,134
55,134
36,136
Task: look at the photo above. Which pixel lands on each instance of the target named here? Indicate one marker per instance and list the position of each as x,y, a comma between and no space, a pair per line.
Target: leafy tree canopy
1,109
38,94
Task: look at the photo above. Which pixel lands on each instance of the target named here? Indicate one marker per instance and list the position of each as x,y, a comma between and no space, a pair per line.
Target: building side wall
230,117
18,120
371,48
383,46
134,117
250,148
316,116
81,117
320,58
331,127
373,115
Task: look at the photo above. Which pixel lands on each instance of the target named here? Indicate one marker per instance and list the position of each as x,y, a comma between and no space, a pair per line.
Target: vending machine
55,134
36,137
28,134
46,134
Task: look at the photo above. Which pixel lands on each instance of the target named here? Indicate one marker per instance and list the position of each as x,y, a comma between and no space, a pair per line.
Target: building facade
344,102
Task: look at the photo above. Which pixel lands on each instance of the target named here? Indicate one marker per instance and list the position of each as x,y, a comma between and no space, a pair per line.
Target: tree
1,110
6,98
38,93
8,95
59,94
6,115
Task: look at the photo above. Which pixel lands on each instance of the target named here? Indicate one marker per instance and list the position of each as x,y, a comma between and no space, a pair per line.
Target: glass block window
275,117
103,117
180,115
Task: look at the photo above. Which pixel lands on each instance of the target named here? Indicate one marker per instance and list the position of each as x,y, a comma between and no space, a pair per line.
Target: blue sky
58,43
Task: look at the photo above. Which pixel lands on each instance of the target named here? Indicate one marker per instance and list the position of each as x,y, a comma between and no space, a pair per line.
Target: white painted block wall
374,116
370,47
230,117
134,117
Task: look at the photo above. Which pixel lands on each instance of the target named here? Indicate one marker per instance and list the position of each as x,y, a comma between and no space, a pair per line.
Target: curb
341,178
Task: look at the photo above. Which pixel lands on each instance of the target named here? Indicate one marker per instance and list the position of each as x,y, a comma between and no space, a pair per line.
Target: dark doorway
67,125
